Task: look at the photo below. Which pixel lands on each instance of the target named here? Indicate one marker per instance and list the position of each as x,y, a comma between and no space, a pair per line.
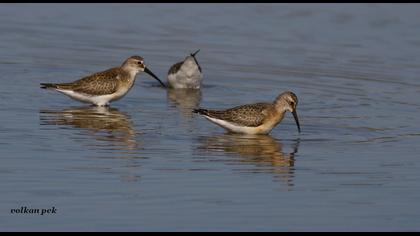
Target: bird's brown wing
175,67
251,115
101,83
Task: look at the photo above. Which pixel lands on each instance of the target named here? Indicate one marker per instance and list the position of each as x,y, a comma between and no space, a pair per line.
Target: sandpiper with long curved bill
186,74
106,86
258,118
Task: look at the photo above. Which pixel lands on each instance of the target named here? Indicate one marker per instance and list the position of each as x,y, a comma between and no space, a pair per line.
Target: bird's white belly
185,79
99,100
236,128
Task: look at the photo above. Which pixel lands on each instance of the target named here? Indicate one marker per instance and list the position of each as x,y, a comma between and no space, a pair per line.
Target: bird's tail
201,111
48,86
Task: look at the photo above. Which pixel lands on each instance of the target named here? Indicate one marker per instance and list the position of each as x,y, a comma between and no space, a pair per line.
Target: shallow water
148,164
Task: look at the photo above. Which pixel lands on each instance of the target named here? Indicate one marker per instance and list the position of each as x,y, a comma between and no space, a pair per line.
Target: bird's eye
292,103
139,62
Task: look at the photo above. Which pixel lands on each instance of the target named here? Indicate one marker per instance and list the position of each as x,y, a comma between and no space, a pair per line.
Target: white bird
186,74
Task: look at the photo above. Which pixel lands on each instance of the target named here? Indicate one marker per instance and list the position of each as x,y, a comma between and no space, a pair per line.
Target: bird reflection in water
261,151
109,133
185,100
104,124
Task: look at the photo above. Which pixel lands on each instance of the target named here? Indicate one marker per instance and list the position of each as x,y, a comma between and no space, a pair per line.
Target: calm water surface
148,164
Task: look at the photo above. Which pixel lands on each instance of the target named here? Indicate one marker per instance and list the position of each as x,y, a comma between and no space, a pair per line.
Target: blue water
148,164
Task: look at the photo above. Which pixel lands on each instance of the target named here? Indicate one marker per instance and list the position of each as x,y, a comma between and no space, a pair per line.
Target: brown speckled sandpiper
258,118
106,86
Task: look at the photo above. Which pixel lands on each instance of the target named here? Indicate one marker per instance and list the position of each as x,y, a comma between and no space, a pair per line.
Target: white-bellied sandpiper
258,118
186,74
106,86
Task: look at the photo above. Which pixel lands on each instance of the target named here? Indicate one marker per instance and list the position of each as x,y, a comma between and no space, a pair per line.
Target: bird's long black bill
154,76
296,119
193,54
195,59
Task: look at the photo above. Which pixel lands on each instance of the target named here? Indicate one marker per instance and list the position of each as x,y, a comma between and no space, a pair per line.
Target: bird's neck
280,114
280,106
131,72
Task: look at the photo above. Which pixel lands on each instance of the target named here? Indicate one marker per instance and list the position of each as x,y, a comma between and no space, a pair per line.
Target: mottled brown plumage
251,115
101,83
105,86
258,118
